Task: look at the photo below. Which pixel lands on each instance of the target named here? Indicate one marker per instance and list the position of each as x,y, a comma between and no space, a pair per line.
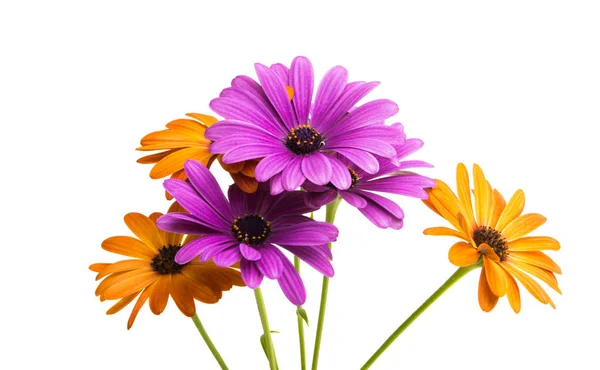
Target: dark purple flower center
251,229
164,262
485,234
304,140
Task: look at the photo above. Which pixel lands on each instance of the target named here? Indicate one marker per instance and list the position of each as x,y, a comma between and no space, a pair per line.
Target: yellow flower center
493,238
251,229
164,262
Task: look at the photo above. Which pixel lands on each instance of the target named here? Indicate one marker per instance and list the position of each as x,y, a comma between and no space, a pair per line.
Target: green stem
209,342
300,325
270,349
329,217
462,271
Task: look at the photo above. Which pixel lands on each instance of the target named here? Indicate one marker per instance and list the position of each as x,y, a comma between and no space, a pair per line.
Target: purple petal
251,151
272,165
302,80
292,177
276,185
249,253
353,199
414,164
316,168
408,185
351,95
384,203
330,88
282,72
374,146
290,282
214,244
287,204
408,147
270,263
250,274
192,202
239,200
362,159
320,199
207,186
290,220
340,175
303,234
277,94
365,115
377,215
324,250
232,127
189,251
227,257
243,106
183,223
378,131
314,258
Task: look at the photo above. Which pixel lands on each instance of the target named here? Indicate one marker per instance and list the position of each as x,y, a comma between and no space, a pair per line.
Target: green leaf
301,312
263,343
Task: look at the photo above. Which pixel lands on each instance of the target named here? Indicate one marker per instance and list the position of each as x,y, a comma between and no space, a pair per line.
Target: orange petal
531,285
445,202
122,303
174,161
496,277
108,281
534,243
512,292
462,254
145,230
290,91
523,225
544,275
487,251
536,258
463,188
205,119
487,299
249,168
130,282
498,207
182,296
191,127
121,266
171,145
203,293
153,158
98,267
138,304
512,210
247,184
483,196
231,167
128,246
171,135
444,231
160,294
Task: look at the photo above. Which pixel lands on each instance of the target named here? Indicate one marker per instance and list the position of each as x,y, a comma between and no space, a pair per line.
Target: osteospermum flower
495,232
152,273
295,137
248,228
391,178
184,139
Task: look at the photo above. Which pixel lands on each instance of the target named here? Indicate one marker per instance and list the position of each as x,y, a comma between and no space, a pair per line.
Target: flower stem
300,325
209,342
462,271
269,348
329,217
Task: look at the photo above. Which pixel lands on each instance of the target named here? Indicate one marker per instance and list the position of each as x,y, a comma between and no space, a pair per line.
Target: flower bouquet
291,150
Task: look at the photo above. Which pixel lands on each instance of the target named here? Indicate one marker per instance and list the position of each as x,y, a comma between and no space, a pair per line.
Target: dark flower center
353,176
164,262
251,229
485,234
304,140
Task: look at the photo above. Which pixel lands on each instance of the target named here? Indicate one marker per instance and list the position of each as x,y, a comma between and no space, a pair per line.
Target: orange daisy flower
184,139
152,273
495,232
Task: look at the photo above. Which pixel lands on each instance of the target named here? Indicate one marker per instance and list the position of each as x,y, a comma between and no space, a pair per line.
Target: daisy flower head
184,139
249,228
151,274
493,232
391,177
297,138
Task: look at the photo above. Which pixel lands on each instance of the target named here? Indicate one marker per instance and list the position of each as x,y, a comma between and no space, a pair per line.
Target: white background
513,86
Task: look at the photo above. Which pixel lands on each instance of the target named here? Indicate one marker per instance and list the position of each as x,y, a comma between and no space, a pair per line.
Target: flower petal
462,254
496,277
316,168
138,305
354,199
292,176
512,210
302,80
533,243
250,274
313,258
290,282
270,263
272,165
340,176
228,257
277,94
181,295
487,299
144,229
329,90
522,225
128,246
160,294
249,253
207,186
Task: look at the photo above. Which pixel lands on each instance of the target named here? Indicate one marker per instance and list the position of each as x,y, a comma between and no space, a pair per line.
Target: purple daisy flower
391,178
298,139
247,228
